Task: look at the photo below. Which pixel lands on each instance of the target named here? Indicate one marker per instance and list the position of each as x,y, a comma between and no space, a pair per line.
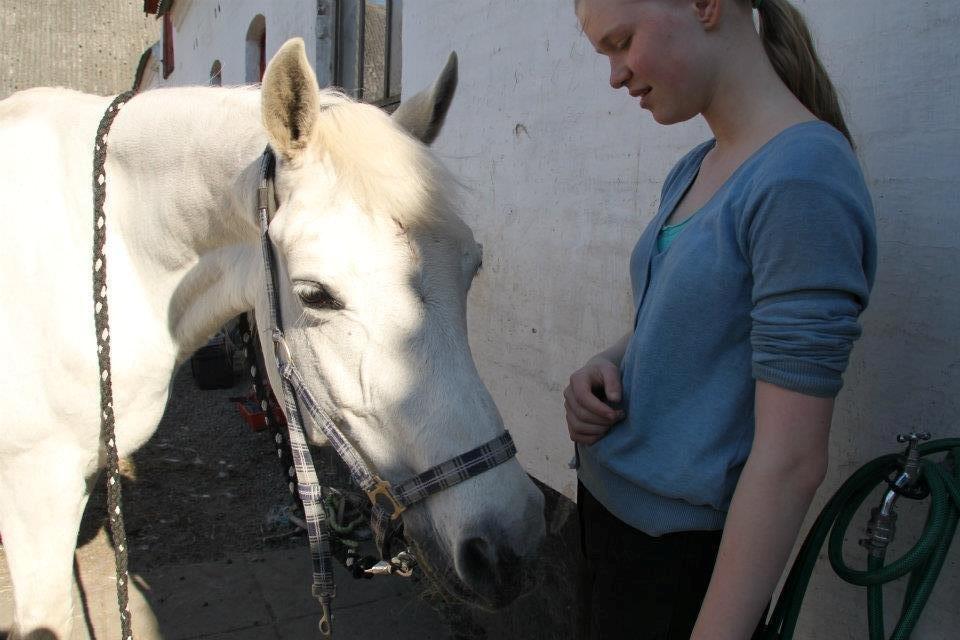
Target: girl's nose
619,74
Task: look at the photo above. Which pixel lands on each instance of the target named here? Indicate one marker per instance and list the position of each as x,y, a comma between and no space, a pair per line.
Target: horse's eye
314,294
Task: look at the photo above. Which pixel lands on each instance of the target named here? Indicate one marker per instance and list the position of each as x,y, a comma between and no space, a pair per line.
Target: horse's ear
289,99
423,114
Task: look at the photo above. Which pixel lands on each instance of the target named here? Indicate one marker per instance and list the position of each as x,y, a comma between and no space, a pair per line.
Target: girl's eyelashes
609,45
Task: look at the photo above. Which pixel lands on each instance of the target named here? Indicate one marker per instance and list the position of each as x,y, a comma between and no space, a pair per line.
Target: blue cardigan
765,282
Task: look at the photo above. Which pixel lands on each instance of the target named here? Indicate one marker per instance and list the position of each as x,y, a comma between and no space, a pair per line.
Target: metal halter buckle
382,489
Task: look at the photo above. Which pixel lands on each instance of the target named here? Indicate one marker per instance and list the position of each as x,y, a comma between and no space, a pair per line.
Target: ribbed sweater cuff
653,514
802,377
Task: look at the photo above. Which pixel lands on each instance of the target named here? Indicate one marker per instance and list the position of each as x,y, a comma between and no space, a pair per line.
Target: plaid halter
387,502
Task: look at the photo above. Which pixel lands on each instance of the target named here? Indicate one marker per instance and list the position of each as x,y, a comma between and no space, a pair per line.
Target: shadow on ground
206,563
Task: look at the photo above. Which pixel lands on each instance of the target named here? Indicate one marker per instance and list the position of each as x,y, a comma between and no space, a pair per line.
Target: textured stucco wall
89,46
562,174
208,30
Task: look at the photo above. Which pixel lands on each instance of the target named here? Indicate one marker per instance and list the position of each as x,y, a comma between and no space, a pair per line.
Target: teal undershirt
668,233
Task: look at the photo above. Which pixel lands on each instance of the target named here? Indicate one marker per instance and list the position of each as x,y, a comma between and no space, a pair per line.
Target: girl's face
656,51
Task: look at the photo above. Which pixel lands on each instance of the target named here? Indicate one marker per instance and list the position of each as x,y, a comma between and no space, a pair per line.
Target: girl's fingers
584,432
612,388
581,389
588,417
573,406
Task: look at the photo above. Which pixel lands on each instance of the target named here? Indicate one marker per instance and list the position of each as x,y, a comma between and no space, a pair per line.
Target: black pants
637,586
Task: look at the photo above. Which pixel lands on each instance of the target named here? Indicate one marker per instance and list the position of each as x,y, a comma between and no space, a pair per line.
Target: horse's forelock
385,170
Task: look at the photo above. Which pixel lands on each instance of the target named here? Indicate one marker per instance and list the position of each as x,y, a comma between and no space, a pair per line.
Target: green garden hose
922,562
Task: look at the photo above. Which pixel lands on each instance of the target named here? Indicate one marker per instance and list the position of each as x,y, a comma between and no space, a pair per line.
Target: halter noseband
387,502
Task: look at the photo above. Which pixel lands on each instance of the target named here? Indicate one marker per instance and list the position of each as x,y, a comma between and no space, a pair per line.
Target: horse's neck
186,163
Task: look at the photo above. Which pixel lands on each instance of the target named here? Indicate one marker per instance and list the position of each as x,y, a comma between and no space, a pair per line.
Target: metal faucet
882,526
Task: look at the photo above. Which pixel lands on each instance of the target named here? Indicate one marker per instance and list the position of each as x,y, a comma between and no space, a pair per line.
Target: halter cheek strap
387,502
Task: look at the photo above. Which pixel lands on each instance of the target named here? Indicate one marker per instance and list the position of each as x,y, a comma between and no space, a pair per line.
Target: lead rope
102,322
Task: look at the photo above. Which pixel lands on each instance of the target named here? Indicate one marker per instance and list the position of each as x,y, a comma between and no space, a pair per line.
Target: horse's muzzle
493,571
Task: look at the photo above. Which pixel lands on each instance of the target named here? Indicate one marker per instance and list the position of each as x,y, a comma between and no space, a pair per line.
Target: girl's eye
624,44
314,294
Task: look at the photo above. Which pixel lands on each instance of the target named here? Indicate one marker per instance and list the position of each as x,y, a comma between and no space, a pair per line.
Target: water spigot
882,525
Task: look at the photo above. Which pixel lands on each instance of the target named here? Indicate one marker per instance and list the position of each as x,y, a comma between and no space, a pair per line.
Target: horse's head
374,269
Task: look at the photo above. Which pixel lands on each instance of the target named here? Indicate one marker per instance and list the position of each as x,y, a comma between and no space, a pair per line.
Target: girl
702,433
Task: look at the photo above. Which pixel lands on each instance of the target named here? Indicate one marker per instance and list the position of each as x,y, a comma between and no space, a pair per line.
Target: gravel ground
203,485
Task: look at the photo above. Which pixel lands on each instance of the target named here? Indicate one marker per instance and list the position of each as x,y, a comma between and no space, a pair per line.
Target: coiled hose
923,562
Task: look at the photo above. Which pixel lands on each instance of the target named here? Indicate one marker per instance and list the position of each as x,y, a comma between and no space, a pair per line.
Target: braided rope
284,455
102,322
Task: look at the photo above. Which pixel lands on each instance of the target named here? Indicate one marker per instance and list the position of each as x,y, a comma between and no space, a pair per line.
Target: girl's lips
643,97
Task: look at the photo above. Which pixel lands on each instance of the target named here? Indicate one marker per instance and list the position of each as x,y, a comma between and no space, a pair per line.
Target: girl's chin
666,117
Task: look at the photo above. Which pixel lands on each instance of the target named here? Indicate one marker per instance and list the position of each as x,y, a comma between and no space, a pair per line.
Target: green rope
340,528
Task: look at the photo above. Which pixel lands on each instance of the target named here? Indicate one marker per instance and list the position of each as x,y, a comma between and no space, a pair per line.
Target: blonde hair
787,41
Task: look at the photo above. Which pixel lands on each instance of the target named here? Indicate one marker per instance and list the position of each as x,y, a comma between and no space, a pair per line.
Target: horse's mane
383,167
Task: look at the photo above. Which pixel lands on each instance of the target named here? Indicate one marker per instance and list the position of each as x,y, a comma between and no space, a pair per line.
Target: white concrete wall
562,174
208,30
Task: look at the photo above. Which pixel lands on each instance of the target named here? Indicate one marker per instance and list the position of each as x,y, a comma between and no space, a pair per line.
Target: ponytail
788,44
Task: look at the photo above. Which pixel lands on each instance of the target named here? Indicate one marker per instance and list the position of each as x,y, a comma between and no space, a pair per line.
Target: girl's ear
708,12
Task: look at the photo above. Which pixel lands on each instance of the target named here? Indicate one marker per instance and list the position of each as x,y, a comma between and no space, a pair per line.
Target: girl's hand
588,398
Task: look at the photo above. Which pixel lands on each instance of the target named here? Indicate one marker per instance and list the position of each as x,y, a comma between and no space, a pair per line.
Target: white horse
375,267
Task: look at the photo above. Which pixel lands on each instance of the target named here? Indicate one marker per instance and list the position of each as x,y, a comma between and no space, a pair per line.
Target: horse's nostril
492,571
477,557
